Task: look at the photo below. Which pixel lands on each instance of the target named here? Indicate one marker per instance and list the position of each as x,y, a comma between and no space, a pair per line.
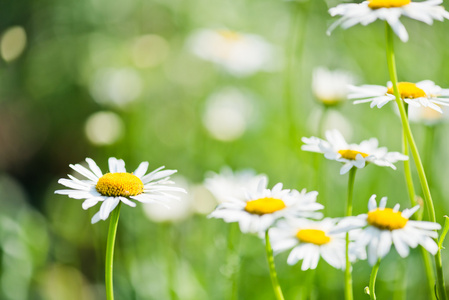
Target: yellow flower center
386,219
313,236
264,206
119,184
408,90
229,35
351,154
375,4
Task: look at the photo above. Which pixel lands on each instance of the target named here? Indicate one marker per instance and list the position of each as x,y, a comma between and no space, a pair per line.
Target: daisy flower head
336,148
331,87
426,115
262,207
228,184
309,240
421,94
382,227
240,54
118,186
390,11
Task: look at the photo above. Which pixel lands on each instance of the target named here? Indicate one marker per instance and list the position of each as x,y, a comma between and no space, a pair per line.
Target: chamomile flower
310,240
228,184
389,11
382,227
331,87
240,54
262,207
421,94
352,155
425,115
118,186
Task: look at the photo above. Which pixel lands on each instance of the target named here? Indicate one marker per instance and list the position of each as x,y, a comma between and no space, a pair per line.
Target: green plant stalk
372,280
113,223
407,169
348,274
414,150
274,278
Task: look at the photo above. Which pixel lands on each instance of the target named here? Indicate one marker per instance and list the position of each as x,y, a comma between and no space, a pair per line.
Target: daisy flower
425,115
382,227
228,184
389,11
117,185
310,240
331,87
421,94
240,54
262,207
352,155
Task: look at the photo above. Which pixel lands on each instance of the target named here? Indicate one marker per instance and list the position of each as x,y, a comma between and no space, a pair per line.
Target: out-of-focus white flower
228,185
116,87
104,128
118,186
262,207
336,148
331,87
390,11
383,227
175,209
240,54
227,114
426,115
424,93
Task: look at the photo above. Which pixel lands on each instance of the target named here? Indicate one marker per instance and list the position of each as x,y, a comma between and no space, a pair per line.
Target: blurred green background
96,78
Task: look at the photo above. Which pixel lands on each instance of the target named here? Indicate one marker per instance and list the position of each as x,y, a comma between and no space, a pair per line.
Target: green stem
113,223
428,147
274,278
407,169
372,280
419,166
348,274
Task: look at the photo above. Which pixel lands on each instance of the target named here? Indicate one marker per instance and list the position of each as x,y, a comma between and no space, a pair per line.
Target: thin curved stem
372,280
414,150
274,278
113,223
348,272
407,168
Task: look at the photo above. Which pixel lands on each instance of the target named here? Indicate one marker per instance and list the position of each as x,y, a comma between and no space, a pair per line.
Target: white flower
228,185
228,113
383,227
352,155
426,115
118,185
422,94
310,240
238,53
262,207
390,11
331,87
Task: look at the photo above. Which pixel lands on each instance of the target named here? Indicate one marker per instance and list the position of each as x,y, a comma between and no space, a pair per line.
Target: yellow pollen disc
351,154
313,236
264,206
408,90
375,4
119,184
229,35
386,219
